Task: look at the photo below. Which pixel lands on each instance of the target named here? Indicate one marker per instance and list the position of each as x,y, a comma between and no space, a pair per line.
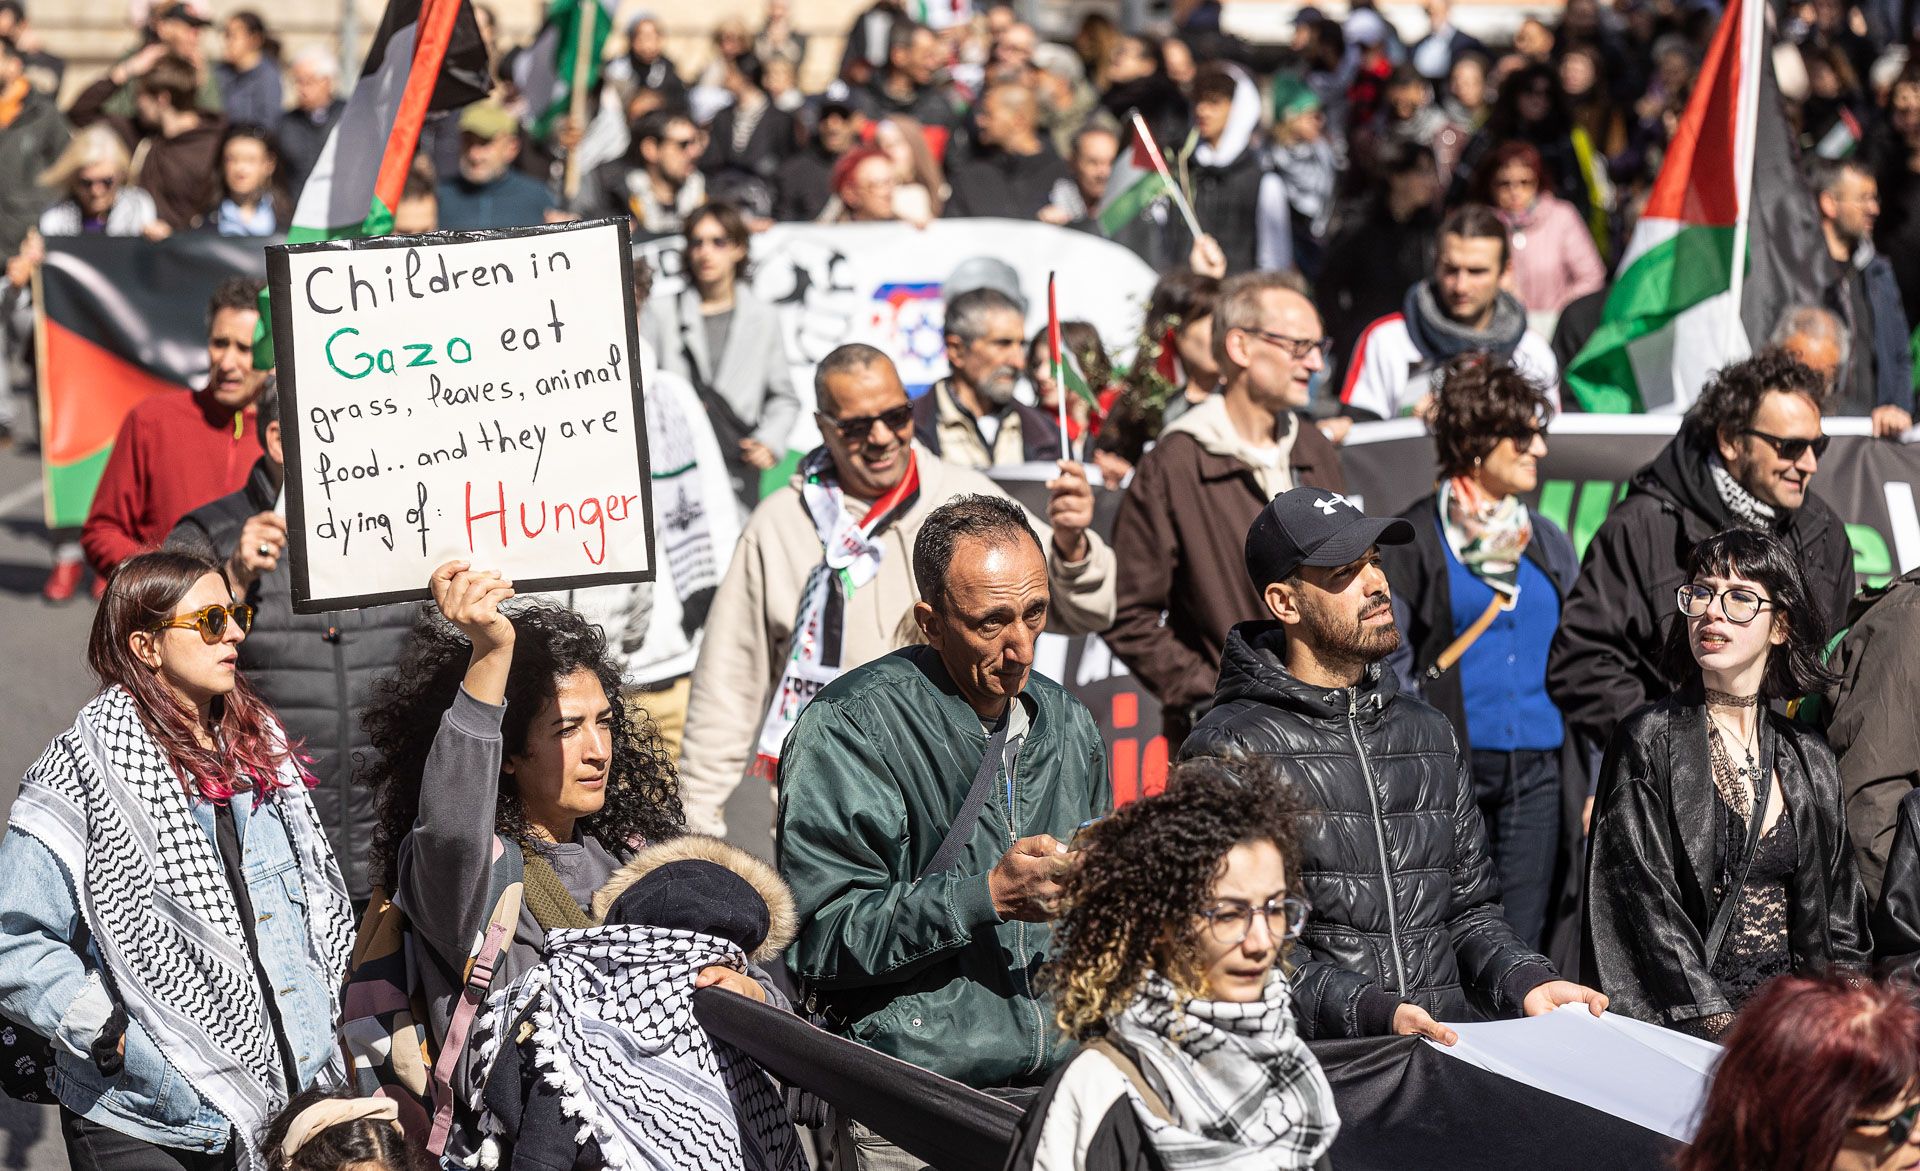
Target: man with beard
1461,309
969,417
823,581
1407,929
1746,455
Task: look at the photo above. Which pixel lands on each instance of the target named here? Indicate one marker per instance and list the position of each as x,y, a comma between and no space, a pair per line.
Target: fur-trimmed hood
783,922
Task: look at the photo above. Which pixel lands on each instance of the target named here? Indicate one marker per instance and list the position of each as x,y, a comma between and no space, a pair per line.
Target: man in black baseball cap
1407,929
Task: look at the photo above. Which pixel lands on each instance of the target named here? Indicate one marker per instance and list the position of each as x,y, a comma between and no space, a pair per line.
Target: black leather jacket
1655,852
1896,918
1406,903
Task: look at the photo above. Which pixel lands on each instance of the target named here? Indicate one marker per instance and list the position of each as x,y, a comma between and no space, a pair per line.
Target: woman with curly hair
1720,857
1166,969
1477,595
504,760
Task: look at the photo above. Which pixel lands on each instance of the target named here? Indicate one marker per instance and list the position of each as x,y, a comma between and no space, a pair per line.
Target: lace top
1755,949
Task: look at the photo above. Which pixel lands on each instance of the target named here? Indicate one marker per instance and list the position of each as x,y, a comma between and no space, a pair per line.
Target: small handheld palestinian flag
1140,176
1067,374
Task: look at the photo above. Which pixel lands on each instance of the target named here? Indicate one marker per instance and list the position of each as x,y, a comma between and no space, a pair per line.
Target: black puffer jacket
1406,903
315,671
1605,661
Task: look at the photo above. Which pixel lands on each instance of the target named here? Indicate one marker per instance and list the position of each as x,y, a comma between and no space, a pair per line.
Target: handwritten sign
466,395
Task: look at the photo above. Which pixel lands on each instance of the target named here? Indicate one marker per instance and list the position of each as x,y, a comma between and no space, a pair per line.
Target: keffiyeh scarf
1487,536
104,801
613,1030
851,553
1747,508
685,527
1244,1091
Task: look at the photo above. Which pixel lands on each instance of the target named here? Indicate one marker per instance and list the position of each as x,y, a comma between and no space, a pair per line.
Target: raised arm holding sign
465,395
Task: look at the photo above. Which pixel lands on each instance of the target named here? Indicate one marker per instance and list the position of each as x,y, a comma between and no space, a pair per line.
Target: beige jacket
751,623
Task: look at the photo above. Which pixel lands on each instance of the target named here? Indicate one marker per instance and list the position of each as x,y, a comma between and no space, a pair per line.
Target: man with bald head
1181,532
1013,169
822,580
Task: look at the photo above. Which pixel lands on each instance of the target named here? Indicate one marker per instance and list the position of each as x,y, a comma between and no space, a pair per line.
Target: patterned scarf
153,892
1488,536
614,1031
1747,508
851,554
682,521
1244,1091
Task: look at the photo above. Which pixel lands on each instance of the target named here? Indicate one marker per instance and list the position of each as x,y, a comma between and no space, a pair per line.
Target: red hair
1806,1055
249,746
1515,150
849,162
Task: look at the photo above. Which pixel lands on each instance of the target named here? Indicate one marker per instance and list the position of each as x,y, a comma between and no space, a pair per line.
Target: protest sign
465,395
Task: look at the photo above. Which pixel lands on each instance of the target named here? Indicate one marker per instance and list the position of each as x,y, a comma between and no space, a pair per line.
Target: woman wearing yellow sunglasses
177,926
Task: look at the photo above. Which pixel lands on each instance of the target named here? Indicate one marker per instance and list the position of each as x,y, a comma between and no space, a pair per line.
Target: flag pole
1059,370
1160,165
1746,131
586,23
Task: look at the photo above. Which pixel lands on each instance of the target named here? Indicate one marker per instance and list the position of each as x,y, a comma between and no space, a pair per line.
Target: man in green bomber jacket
939,968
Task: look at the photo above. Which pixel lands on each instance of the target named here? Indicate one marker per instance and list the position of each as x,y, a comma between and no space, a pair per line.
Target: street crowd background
1345,251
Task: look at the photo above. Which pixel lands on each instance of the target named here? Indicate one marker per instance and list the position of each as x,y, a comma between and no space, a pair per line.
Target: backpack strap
1156,1105
493,949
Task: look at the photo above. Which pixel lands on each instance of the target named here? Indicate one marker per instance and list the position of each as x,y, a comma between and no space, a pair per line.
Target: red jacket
174,453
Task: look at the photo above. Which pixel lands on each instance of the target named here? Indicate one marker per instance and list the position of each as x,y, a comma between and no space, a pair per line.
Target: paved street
45,680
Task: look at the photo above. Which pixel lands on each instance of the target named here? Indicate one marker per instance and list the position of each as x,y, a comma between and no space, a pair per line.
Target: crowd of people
1431,768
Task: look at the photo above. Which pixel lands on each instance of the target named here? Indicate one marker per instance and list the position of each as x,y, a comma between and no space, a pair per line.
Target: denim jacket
58,992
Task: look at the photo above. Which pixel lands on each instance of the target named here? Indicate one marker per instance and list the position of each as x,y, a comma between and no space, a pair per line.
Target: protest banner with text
464,395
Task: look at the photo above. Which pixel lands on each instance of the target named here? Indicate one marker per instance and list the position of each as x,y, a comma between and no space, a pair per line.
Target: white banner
465,395
884,285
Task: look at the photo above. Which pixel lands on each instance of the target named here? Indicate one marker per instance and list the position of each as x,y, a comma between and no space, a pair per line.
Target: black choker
1722,699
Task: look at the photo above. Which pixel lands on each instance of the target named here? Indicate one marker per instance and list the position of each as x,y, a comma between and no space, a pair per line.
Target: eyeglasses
1523,437
1230,921
1899,1128
1739,604
210,622
1299,347
1792,449
898,420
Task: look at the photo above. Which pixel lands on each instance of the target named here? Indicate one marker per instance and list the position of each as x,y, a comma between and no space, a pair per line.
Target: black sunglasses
1792,449
855,430
1899,1127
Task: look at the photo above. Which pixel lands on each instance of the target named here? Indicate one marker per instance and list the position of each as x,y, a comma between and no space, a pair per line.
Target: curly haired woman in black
1167,969
504,759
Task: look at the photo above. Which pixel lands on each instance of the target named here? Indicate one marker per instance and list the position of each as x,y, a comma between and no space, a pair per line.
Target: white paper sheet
1650,1076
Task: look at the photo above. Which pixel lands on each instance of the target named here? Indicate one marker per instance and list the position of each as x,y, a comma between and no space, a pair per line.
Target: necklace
1736,782
1724,699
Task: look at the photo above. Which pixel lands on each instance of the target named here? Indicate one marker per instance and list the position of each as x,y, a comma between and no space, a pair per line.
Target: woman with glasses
726,341
1554,260
1477,596
1167,970
1719,856
176,927
1821,1074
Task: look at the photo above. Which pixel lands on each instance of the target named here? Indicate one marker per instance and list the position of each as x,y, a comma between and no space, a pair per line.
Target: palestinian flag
427,57
1066,364
118,320
1139,178
546,69
1680,308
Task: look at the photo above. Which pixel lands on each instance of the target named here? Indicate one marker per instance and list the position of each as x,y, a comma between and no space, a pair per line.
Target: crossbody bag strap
951,846
1156,1105
506,915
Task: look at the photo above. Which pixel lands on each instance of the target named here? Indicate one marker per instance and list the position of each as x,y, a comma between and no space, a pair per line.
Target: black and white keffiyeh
104,800
613,1030
1244,1091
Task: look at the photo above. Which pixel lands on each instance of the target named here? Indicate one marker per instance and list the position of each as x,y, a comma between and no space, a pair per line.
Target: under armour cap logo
1328,505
